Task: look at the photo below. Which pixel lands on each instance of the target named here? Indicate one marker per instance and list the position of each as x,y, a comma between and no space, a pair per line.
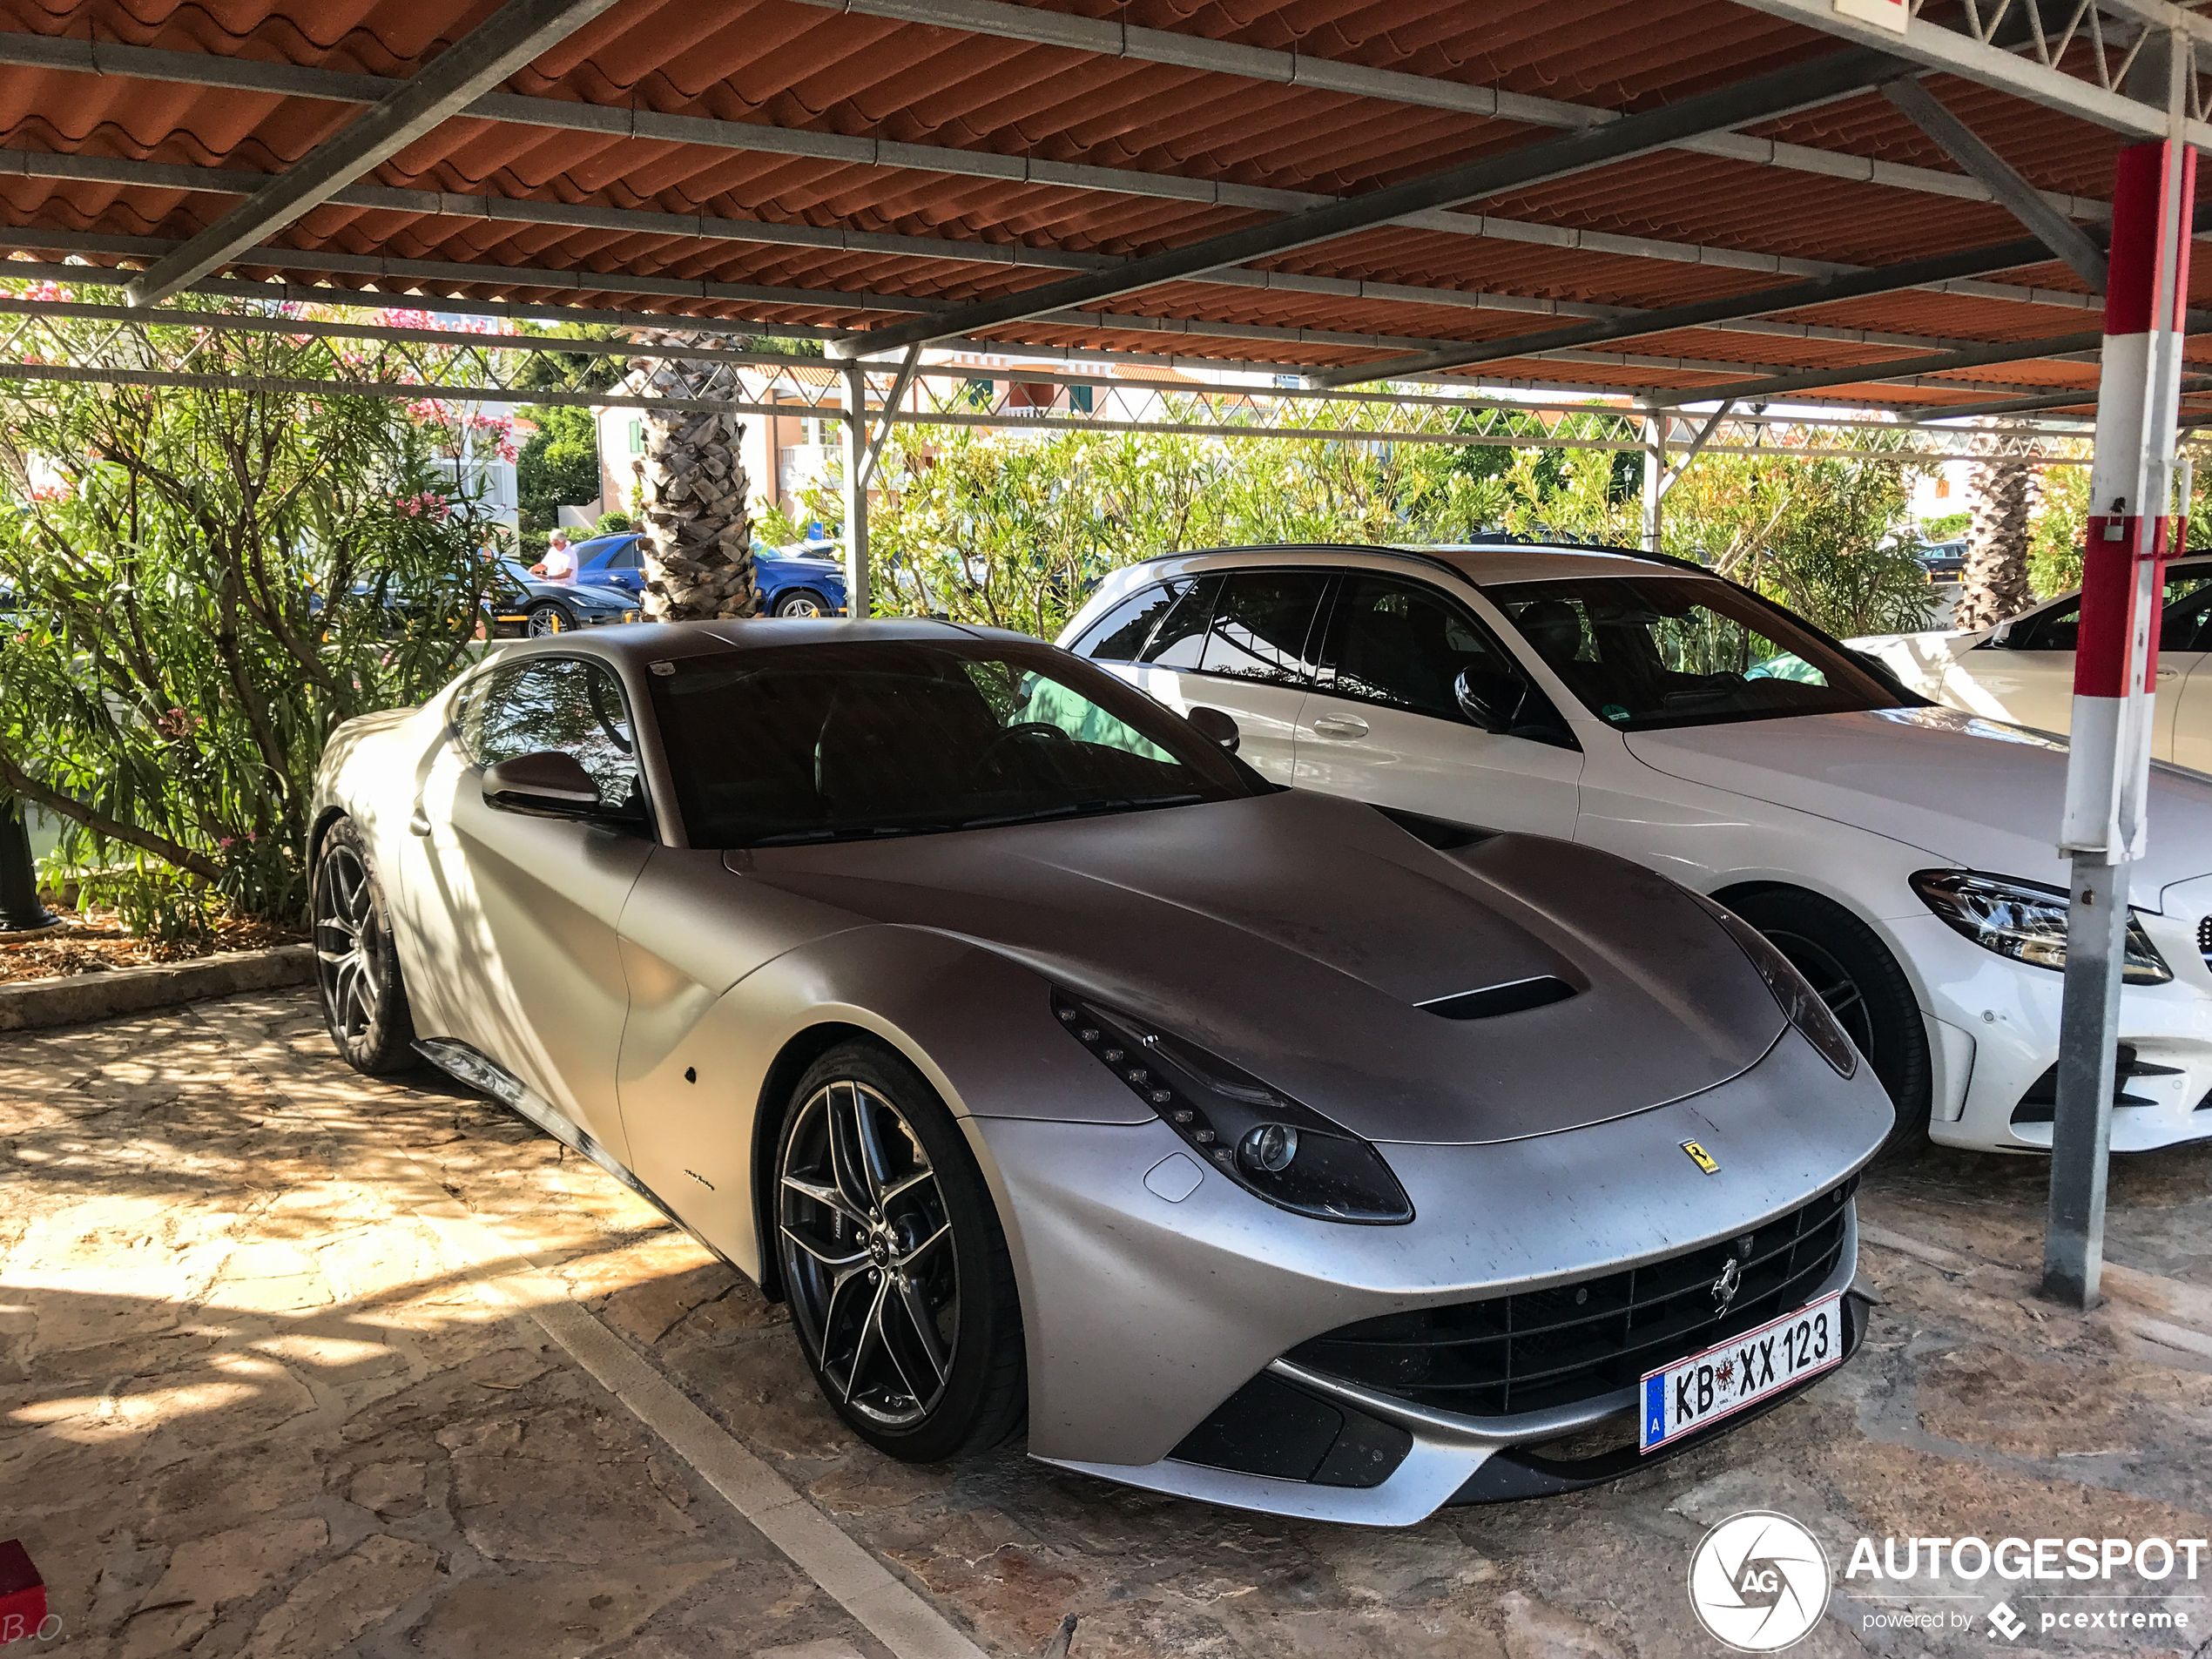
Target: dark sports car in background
523,606
1249,1144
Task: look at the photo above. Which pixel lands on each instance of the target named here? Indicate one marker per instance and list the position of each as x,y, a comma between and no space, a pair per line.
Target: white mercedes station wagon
1903,855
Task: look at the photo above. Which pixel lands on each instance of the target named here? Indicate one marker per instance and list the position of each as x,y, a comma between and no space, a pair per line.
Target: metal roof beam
290,80
1761,97
1898,368
1818,291
415,271
1992,52
40,164
515,35
2058,232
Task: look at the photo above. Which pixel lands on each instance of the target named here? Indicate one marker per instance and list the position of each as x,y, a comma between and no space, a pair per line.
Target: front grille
1574,1342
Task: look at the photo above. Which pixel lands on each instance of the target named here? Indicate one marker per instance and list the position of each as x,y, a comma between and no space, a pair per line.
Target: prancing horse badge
1700,1157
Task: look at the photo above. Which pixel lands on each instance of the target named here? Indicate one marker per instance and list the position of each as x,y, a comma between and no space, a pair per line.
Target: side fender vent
1513,997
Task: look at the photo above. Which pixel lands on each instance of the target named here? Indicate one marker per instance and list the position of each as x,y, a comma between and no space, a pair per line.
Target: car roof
1482,563
638,644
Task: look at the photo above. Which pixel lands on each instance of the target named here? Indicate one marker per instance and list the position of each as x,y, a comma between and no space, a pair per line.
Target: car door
1238,641
534,979
620,565
2024,674
1385,723
2182,733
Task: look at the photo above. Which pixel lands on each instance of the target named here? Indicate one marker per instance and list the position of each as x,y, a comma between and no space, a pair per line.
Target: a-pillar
1655,475
857,603
2130,533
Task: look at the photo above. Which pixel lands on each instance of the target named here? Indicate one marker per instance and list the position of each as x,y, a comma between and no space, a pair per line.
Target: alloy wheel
345,926
866,1248
547,620
799,606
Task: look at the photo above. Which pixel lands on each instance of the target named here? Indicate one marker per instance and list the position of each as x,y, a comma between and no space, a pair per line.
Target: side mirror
546,784
1479,705
1215,727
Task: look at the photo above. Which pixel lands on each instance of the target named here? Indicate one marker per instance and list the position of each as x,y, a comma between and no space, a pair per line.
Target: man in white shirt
559,562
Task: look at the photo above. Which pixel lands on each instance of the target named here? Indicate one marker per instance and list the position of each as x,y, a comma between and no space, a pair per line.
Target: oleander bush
208,580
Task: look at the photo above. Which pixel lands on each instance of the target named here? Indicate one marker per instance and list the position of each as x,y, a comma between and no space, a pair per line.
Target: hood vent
1512,997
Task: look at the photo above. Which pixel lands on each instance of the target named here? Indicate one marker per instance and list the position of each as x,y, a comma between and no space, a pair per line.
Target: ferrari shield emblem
1700,1157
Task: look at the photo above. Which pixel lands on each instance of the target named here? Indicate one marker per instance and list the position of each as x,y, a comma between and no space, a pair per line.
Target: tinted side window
1120,636
557,703
1182,633
1403,645
2054,630
1260,625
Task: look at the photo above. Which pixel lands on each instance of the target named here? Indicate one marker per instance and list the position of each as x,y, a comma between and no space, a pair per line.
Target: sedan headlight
1801,1004
1266,1142
2025,921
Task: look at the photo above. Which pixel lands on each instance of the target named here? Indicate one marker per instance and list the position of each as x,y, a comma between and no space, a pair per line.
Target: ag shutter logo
1759,1582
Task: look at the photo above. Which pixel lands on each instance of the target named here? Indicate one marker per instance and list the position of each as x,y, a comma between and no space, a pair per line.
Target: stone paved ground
248,1407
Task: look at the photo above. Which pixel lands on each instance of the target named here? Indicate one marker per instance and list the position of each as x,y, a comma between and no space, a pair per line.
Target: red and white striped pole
2132,532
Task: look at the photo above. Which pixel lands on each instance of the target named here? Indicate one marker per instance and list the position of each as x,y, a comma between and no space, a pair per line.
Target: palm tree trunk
697,546
2005,488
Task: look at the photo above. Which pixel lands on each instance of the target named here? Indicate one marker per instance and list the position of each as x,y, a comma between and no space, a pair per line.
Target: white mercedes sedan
1903,855
2022,671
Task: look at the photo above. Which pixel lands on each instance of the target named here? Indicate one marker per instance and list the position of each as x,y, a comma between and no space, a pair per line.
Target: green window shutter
1079,398
637,437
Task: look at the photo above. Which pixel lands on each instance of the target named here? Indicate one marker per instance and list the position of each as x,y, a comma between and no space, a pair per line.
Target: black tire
801,602
546,619
357,965
1864,988
871,1248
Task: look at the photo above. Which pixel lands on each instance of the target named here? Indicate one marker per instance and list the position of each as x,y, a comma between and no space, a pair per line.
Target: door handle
1340,725
2170,673
418,821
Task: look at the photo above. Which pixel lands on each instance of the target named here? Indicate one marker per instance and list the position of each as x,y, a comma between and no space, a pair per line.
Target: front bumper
1996,1037
1144,1313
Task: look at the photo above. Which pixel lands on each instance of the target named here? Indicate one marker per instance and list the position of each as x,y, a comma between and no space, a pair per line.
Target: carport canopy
1684,201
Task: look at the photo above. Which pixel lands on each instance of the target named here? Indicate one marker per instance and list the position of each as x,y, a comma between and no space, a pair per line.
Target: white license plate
1684,1397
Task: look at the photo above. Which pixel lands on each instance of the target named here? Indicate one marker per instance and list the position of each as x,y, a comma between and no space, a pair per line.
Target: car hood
1296,935
1965,789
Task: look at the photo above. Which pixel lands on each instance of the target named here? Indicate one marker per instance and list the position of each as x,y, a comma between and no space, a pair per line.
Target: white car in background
2022,671
1902,855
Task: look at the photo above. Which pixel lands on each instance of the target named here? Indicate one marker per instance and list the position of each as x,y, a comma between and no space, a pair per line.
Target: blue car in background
797,583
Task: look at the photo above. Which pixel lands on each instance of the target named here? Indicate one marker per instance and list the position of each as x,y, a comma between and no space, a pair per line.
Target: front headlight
1801,1004
1266,1142
2025,921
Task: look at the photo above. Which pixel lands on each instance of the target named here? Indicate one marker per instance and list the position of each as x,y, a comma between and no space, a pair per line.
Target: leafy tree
571,371
558,466
208,581
1013,529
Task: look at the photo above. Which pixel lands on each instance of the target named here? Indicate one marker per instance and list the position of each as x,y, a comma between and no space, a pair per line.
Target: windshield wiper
1080,808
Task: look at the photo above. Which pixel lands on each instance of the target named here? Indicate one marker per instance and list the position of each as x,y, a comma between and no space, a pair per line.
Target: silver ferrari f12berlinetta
1065,1077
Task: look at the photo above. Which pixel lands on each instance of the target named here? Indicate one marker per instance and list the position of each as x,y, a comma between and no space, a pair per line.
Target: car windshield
782,744
1643,652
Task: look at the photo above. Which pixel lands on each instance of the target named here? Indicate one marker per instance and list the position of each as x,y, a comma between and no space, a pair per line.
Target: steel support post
20,909
857,598
2130,532
1655,423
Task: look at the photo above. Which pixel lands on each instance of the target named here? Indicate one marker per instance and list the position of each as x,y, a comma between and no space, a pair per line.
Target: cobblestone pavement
250,1404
